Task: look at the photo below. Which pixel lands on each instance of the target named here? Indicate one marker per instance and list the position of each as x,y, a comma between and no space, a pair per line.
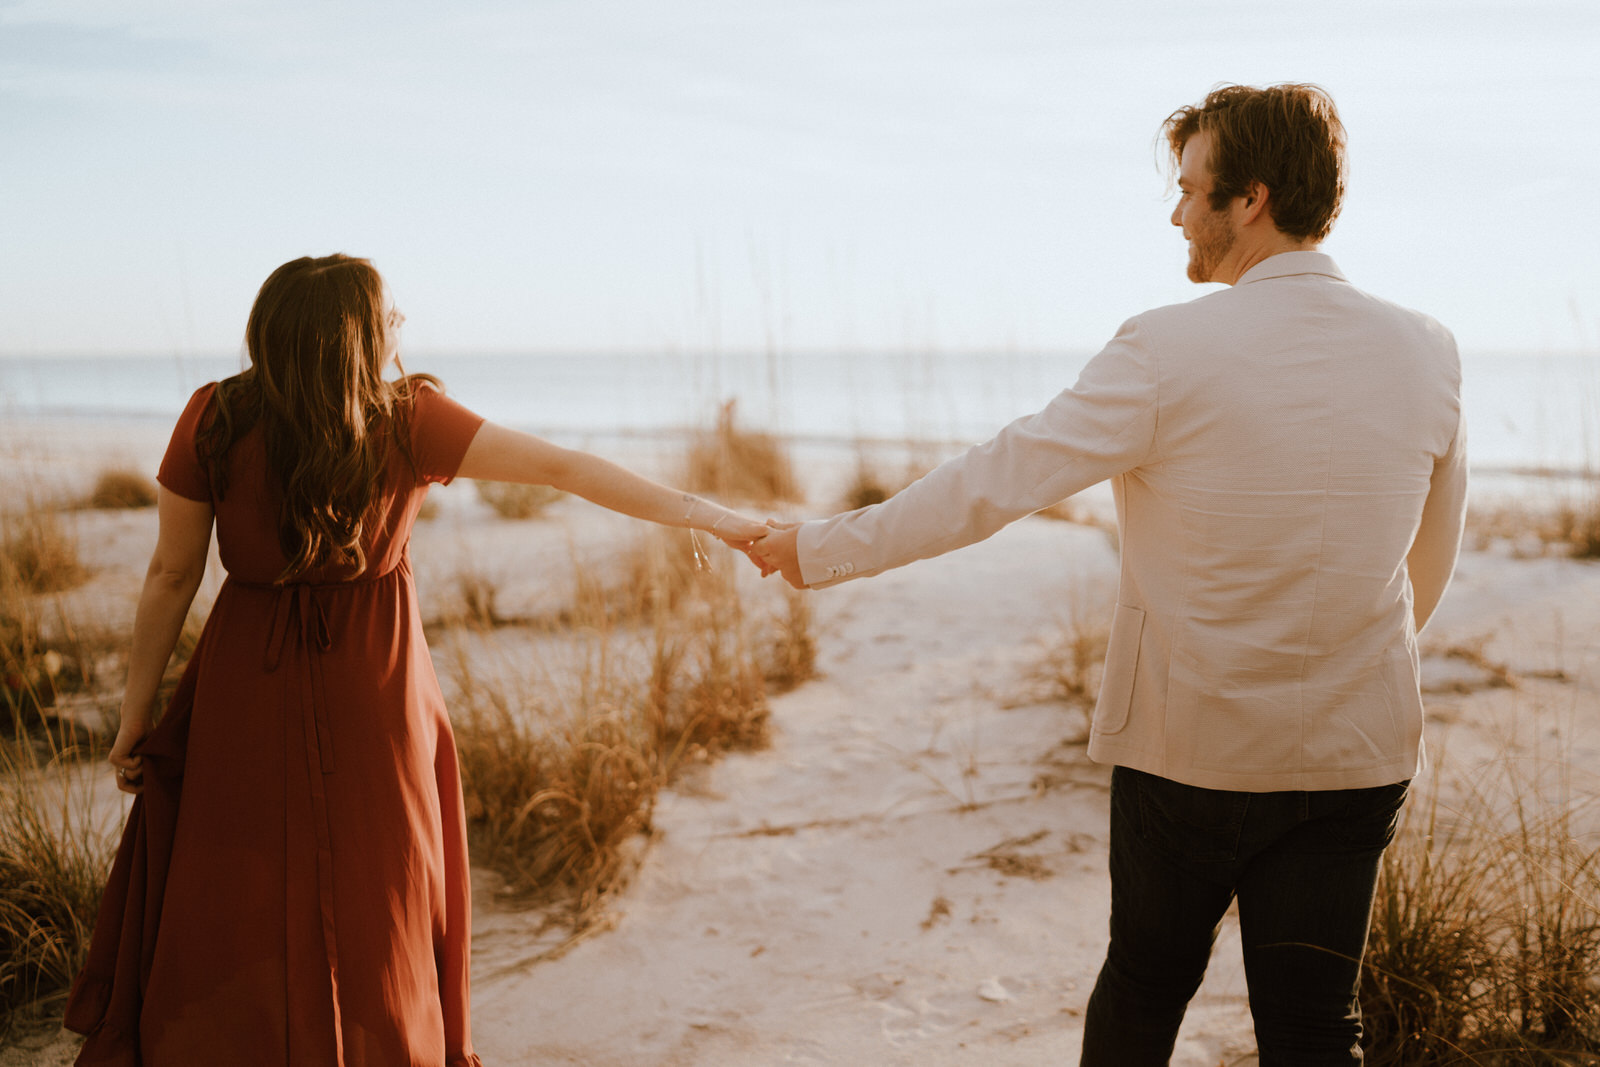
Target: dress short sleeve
181,469
441,431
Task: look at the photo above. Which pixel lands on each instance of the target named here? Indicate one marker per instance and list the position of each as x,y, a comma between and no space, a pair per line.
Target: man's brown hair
1287,137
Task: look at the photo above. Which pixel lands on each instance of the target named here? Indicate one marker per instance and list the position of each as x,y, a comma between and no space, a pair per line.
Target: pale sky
725,174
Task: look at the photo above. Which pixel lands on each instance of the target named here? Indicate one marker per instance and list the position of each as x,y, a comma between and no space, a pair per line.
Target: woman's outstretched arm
170,584
503,455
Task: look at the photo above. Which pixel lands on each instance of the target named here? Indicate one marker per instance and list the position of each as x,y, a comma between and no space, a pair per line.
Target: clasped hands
773,551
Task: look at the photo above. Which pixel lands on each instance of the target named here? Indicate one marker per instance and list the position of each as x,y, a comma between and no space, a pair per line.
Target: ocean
1526,413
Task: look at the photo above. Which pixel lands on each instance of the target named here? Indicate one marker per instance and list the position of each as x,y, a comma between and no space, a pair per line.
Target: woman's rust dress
292,885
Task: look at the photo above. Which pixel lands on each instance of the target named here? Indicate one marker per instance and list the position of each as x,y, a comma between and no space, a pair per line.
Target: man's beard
1209,242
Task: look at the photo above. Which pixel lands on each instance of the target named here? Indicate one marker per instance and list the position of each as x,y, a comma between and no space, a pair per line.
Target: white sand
914,872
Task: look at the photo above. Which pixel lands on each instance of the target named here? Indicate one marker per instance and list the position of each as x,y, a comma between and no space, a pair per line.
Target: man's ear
1253,203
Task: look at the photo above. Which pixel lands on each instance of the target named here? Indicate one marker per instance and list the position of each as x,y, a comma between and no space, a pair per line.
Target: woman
307,902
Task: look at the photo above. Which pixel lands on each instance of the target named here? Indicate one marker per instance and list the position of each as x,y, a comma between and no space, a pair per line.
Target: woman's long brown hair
319,338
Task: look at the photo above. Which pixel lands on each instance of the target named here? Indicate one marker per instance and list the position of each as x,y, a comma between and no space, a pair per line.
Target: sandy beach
913,872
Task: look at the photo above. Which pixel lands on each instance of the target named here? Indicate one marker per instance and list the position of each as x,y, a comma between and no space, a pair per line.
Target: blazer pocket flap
1122,663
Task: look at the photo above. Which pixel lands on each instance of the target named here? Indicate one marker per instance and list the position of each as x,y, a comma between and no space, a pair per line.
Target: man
1289,467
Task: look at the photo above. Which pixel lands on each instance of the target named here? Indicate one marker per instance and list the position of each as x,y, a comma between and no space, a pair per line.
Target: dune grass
706,692
1583,530
123,488
555,785
870,483
54,851
36,550
1485,944
657,665
1069,667
38,557
738,464
54,859
867,487
513,500
26,676
1571,528
791,645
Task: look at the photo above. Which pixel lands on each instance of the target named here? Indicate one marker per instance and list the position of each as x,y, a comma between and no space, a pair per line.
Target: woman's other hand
128,767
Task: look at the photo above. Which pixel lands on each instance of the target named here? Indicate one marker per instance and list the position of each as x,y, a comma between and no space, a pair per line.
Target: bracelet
688,515
701,562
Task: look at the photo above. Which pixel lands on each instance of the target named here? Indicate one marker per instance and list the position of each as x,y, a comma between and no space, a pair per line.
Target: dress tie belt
302,603
302,599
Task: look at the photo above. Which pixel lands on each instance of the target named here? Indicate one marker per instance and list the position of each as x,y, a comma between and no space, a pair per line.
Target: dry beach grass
738,464
123,488
1570,526
1485,946
561,770
37,552
513,501
45,653
55,853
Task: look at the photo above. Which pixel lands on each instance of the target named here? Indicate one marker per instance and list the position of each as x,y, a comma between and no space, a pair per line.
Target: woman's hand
128,767
780,552
739,531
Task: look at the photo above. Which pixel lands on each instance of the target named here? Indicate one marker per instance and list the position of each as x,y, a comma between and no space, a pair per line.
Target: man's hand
778,552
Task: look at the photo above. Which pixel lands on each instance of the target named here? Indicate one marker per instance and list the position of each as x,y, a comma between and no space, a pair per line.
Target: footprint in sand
910,1019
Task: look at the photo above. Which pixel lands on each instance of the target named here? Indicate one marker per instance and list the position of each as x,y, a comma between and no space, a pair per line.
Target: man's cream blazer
1289,465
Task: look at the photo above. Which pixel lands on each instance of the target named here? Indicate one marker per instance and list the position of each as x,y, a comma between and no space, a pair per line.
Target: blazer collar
1287,263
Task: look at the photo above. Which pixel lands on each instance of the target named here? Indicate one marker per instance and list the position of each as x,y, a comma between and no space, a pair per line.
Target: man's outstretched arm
1103,426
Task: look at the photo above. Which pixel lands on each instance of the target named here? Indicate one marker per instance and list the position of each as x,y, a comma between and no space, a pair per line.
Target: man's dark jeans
1303,866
